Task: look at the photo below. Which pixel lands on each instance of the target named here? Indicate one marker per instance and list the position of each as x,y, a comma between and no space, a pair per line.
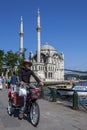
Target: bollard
42,92
54,94
75,100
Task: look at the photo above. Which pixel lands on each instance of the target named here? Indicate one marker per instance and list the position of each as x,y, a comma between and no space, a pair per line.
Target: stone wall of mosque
51,66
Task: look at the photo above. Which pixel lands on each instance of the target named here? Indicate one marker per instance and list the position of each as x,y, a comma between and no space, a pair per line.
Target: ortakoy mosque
48,63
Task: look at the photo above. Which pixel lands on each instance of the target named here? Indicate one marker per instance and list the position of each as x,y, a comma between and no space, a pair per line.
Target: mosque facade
47,62
51,65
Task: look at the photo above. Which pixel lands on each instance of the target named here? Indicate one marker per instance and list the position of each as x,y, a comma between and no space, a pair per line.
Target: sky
63,26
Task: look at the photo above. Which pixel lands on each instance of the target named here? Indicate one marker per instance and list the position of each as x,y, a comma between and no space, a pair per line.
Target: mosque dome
47,47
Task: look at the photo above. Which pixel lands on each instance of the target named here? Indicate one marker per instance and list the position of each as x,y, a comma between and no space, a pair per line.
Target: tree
1,59
11,59
20,62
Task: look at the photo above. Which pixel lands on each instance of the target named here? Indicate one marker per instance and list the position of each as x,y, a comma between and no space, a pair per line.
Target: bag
35,93
22,92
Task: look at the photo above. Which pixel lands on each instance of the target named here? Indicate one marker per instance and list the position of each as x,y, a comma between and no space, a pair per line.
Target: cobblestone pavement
53,116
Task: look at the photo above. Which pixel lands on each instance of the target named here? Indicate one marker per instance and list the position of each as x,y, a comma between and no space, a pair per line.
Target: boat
81,90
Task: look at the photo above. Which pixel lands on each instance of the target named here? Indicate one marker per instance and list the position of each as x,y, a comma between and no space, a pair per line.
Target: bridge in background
77,72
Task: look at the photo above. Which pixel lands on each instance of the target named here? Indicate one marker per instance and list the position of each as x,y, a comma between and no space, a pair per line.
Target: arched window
39,67
51,74
45,74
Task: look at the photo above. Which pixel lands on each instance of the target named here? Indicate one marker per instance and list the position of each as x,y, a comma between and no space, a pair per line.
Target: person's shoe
21,115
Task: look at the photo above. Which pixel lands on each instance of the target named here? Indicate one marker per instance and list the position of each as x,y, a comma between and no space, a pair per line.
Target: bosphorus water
81,99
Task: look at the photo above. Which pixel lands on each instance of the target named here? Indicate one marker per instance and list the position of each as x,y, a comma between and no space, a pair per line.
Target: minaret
38,37
21,37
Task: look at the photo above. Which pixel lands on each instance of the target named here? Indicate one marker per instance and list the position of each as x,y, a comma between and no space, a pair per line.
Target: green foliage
21,62
1,59
11,59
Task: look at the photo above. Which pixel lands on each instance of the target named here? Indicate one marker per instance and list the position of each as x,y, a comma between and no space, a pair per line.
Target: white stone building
48,64
51,65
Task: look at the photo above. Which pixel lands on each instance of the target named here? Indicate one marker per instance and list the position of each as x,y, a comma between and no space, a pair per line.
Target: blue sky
63,26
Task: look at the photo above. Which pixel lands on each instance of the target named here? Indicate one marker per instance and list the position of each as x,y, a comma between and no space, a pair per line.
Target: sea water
82,99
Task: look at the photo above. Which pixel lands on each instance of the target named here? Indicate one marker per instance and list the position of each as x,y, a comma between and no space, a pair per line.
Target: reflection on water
82,99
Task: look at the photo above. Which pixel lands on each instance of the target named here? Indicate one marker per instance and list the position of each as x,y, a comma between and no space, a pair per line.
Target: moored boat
81,90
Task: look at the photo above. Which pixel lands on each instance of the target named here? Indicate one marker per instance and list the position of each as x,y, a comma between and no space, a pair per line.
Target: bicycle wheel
34,114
